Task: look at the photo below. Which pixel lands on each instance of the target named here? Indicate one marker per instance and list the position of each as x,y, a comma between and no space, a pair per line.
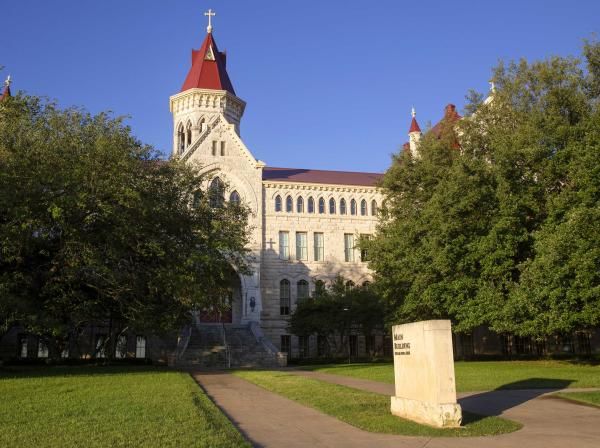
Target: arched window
374,207
202,125
366,284
180,139
342,206
302,290
363,207
300,205
321,205
289,204
216,193
311,205
332,206
349,285
284,297
277,203
188,134
197,199
319,288
234,197
353,207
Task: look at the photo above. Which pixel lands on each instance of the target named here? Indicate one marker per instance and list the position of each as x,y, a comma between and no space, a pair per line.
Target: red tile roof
321,176
449,114
208,68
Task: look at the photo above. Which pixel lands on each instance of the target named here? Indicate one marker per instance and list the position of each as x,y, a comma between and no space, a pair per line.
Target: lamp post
346,309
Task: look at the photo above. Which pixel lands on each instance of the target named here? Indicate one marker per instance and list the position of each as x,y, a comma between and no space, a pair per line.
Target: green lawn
592,398
366,410
489,375
109,407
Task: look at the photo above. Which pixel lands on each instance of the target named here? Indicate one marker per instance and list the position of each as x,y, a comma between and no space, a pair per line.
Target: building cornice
320,187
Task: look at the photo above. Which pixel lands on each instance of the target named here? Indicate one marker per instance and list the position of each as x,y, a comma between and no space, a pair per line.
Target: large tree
503,229
94,226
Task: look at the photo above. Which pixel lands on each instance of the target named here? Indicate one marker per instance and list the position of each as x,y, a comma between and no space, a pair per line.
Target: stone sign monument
424,374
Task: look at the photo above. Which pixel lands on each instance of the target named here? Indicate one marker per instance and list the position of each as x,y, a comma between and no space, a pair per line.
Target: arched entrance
226,305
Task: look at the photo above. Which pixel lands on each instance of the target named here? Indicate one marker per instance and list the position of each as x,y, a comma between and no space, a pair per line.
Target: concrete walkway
270,420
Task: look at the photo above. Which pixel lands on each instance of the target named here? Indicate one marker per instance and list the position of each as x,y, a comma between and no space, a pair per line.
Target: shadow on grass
11,372
507,396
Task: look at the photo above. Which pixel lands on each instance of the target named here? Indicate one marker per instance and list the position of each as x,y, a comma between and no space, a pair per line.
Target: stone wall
273,269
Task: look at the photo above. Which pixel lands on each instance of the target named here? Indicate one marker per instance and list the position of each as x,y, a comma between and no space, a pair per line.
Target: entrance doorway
226,304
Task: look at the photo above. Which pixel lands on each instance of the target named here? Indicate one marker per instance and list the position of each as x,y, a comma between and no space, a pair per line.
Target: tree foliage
93,226
505,230
336,311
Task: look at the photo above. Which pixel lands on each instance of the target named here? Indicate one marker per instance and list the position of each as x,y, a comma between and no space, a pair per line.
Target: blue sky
328,84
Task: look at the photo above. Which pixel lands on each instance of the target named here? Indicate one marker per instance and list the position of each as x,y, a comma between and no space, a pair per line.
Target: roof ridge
317,169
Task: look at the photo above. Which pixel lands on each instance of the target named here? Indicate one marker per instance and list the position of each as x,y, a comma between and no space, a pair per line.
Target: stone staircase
218,346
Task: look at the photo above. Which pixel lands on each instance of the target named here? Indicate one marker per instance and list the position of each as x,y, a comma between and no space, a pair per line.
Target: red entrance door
216,316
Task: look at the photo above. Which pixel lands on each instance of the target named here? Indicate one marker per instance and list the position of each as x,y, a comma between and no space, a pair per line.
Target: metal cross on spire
413,112
8,81
210,15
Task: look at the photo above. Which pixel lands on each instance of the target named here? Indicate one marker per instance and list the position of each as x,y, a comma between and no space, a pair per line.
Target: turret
6,91
206,95
414,134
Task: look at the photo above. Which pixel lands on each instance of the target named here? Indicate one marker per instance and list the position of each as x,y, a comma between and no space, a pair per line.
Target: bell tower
207,96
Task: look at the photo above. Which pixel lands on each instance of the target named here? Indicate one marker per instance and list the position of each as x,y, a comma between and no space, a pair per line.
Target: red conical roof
208,68
6,91
414,126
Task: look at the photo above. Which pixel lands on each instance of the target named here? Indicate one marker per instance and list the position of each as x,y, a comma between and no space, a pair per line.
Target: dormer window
210,55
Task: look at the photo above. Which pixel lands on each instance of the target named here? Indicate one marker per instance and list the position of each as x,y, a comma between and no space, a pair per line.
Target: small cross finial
210,14
413,112
8,81
492,86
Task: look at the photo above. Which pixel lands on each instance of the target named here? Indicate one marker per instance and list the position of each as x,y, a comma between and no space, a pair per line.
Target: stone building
305,222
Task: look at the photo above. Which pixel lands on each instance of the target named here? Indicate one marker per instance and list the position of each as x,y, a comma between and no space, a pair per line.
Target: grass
366,410
108,406
591,398
489,375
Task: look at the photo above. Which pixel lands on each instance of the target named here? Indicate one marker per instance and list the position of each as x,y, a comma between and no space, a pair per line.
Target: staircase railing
226,345
182,341
261,339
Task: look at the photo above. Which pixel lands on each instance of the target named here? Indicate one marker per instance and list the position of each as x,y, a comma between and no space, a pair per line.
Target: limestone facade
206,133
217,148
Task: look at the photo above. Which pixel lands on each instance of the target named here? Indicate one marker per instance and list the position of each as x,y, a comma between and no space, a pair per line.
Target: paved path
270,420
